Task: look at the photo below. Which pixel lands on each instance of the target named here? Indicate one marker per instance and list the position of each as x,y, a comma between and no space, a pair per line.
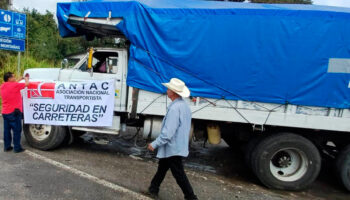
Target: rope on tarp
239,113
272,110
210,103
151,103
193,75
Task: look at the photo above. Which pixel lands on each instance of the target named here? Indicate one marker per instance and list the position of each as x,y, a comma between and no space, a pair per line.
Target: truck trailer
274,77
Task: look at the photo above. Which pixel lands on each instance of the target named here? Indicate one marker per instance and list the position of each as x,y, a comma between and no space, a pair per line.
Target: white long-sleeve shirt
174,137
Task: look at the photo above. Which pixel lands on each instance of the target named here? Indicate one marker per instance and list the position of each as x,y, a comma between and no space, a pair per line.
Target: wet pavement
216,172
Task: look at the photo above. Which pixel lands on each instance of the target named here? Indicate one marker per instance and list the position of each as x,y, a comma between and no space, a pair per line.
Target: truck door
105,65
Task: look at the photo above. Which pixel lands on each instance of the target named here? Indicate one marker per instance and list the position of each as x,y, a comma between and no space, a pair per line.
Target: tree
4,4
45,43
43,39
42,31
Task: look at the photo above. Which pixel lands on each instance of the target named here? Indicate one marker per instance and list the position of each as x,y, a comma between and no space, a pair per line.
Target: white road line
90,177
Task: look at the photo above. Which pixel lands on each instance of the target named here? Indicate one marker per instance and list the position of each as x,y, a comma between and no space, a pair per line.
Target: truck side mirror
110,62
64,63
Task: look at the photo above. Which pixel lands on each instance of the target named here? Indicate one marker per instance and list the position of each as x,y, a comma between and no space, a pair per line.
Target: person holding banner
173,141
10,92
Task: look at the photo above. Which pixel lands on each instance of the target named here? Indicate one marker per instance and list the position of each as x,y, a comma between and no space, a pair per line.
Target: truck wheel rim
40,132
289,164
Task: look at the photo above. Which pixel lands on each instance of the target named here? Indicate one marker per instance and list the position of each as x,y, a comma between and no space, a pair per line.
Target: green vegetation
44,46
10,63
43,40
4,4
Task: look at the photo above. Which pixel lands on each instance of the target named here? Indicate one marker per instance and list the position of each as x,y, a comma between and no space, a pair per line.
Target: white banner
89,103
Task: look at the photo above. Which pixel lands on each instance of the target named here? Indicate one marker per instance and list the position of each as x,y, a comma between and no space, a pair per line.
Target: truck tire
343,167
286,161
249,149
44,137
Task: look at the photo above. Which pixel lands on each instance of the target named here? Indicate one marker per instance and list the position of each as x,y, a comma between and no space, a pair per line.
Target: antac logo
41,90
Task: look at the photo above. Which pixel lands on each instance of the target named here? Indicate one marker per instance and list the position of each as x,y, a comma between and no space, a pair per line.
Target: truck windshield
74,59
72,62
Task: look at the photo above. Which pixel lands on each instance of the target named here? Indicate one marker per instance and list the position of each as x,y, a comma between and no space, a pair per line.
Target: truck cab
106,64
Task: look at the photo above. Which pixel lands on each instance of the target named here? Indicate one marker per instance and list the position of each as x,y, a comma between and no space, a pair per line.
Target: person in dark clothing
10,92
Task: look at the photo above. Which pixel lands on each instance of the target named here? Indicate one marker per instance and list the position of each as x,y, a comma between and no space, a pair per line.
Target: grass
9,63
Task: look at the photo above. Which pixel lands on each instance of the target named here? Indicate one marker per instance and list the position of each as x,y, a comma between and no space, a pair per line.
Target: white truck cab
107,63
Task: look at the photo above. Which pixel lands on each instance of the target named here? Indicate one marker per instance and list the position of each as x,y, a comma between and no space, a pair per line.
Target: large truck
272,77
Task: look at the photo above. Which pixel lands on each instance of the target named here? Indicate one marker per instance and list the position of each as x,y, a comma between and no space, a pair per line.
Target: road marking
90,177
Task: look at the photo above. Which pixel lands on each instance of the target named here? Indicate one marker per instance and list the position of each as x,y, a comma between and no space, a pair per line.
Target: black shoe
19,151
152,195
8,149
191,198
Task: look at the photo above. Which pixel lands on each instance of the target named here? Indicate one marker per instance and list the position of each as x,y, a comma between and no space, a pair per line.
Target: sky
40,5
50,5
340,3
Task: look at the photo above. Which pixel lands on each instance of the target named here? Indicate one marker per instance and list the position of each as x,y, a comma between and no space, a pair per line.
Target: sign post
13,33
19,64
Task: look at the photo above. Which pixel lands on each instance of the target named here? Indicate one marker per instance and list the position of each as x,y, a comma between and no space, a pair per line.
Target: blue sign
12,44
12,24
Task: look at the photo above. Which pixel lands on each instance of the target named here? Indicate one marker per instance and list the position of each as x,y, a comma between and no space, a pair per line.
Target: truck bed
255,113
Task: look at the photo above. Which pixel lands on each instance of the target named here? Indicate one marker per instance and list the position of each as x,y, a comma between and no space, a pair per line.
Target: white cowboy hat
178,86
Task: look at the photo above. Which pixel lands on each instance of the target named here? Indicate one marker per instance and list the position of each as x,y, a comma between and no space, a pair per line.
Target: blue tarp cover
258,52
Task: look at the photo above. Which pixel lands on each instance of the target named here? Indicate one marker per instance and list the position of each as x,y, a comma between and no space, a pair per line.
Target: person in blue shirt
173,141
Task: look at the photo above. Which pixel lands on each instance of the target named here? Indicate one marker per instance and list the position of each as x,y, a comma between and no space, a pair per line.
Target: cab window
105,62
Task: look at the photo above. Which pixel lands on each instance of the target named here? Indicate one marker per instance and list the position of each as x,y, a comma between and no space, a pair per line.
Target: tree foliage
4,4
43,40
45,43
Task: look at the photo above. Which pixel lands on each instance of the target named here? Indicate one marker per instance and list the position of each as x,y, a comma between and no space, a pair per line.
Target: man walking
172,143
10,92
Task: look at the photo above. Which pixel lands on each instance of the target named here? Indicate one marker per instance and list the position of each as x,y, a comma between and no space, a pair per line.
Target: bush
8,63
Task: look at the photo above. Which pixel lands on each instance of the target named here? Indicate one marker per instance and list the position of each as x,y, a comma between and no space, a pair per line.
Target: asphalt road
112,168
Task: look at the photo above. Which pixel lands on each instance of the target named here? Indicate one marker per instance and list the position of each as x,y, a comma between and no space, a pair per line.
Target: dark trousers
12,121
177,169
